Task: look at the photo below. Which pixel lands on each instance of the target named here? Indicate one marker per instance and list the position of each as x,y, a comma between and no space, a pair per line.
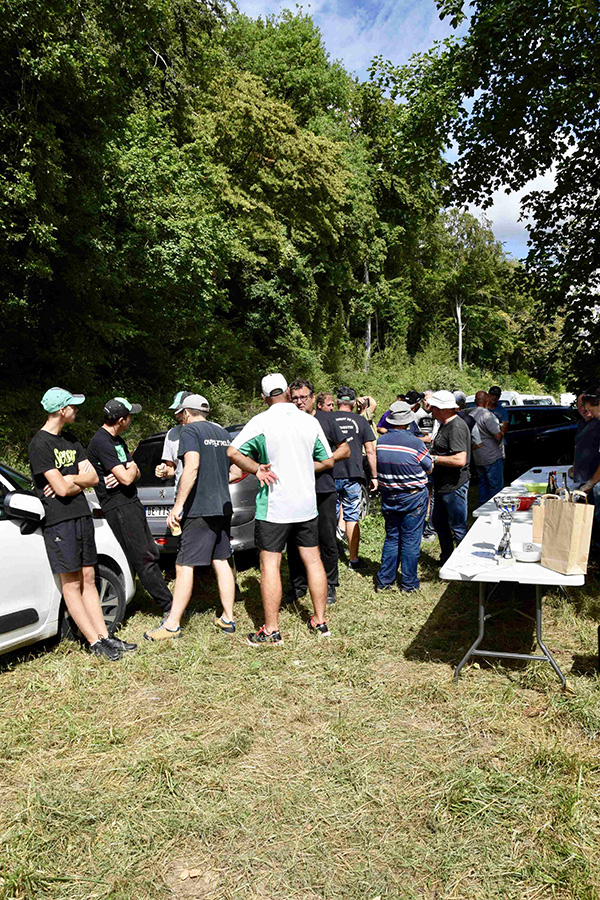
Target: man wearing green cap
118,497
61,472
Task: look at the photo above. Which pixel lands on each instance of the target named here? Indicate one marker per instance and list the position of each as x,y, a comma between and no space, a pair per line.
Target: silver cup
507,505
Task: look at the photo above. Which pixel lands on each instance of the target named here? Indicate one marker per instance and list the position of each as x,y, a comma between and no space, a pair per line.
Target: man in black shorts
61,473
203,509
303,397
118,497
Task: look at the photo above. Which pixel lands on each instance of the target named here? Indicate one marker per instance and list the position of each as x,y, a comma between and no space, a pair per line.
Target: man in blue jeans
403,463
451,455
489,456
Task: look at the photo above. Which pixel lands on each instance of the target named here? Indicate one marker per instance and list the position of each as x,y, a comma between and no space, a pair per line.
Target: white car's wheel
112,602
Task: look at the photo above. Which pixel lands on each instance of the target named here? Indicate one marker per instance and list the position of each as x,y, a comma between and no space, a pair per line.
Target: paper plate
527,552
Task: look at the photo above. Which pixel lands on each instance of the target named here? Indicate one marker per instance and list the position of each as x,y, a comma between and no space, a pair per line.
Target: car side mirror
18,505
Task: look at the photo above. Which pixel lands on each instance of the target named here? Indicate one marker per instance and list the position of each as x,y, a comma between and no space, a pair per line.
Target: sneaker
331,597
123,646
162,633
379,588
291,596
104,647
322,630
223,625
429,533
356,564
262,636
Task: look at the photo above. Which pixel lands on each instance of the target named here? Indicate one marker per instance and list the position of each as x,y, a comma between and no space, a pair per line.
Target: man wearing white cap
451,455
203,510
170,463
294,445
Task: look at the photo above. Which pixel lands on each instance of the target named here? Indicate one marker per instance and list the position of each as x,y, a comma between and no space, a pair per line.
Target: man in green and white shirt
284,448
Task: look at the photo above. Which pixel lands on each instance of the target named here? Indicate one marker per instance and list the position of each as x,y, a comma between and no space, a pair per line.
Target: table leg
481,634
538,629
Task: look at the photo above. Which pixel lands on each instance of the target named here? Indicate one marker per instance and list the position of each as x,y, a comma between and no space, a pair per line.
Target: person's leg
71,590
130,527
484,484
456,509
594,497
317,581
390,550
327,542
226,585
495,474
91,600
184,585
298,579
351,506
411,532
270,587
442,526
353,534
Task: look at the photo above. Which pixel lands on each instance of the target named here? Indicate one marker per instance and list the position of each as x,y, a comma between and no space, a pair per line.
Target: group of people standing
312,456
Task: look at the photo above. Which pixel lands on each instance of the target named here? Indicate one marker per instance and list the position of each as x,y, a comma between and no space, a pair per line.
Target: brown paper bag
566,537
538,517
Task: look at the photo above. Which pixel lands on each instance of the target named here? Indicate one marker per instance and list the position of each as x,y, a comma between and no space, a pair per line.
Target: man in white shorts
284,448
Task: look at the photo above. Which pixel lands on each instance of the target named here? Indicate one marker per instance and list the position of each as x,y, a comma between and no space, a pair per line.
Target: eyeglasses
300,397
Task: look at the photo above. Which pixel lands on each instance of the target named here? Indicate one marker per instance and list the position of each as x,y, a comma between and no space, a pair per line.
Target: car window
17,479
147,455
3,492
542,417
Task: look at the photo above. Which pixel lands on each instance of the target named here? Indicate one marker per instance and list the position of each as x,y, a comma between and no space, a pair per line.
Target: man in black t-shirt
303,397
451,455
118,497
203,511
61,472
348,473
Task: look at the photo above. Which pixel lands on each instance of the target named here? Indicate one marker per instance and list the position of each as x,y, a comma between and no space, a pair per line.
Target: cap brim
75,399
135,408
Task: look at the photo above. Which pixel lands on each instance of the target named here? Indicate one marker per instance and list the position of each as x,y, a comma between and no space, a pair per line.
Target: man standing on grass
303,397
403,465
294,445
349,473
489,456
118,497
61,472
203,510
170,464
451,455
495,407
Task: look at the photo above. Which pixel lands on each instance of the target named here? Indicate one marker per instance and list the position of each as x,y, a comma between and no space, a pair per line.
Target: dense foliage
191,196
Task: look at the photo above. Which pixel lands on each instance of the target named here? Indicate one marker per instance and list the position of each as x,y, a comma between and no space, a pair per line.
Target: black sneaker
322,630
104,647
291,596
356,564
262,636
383,587
123,646
331,597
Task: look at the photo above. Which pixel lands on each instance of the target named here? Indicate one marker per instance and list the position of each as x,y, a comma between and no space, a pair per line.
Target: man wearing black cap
413,398
348,474
118,497
495,407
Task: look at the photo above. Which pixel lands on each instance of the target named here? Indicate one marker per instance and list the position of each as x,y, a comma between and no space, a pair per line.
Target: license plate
156,512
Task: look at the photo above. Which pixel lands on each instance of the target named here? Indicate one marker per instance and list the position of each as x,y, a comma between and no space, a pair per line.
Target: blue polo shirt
403,462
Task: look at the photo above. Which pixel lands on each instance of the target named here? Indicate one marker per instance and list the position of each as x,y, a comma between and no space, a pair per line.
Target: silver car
158,496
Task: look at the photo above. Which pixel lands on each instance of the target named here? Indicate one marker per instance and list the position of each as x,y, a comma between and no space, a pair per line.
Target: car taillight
97,513
161,541
237,480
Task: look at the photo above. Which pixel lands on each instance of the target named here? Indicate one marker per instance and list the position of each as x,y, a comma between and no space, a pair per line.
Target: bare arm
165,469
589,485
372,460
60,485
191,464
125,473
381,430
323,465
457,460
246,464
342,451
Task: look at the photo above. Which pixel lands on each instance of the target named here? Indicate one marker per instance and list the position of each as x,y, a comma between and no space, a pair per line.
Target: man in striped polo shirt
403,463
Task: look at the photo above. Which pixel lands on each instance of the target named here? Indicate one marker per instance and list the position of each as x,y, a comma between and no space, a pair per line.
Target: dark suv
539,436
158,496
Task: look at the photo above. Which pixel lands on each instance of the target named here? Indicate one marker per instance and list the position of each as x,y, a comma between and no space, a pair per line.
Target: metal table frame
497,654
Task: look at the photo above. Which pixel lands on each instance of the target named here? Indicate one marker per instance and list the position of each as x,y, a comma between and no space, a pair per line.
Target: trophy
507,505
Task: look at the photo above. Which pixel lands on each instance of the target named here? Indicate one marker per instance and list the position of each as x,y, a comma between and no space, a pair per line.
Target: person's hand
265,475
111,481
174,517
587,487
426,438
161,470
48,492
374,485
571,472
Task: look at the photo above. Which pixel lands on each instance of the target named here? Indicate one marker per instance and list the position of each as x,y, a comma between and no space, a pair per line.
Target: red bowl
526,503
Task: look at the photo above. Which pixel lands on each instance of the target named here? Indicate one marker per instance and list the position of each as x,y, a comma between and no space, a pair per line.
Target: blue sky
354,32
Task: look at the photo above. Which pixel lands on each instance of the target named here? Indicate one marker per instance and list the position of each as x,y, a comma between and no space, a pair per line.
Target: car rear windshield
147,456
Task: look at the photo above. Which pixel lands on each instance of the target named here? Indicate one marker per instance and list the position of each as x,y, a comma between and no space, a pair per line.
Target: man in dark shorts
286,505
348,473
118,497
61,472
451,456
203,511
303,397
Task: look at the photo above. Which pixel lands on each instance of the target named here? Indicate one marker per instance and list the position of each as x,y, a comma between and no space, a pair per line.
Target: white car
31,604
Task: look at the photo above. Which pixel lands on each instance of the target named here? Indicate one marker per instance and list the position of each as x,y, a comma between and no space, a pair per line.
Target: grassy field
350,767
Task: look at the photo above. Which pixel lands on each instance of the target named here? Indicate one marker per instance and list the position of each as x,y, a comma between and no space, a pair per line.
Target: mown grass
347,768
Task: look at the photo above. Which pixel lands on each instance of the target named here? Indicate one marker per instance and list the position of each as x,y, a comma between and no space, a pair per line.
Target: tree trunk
460,333
368,331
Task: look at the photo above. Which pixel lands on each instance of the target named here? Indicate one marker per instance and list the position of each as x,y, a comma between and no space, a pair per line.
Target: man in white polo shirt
284,448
